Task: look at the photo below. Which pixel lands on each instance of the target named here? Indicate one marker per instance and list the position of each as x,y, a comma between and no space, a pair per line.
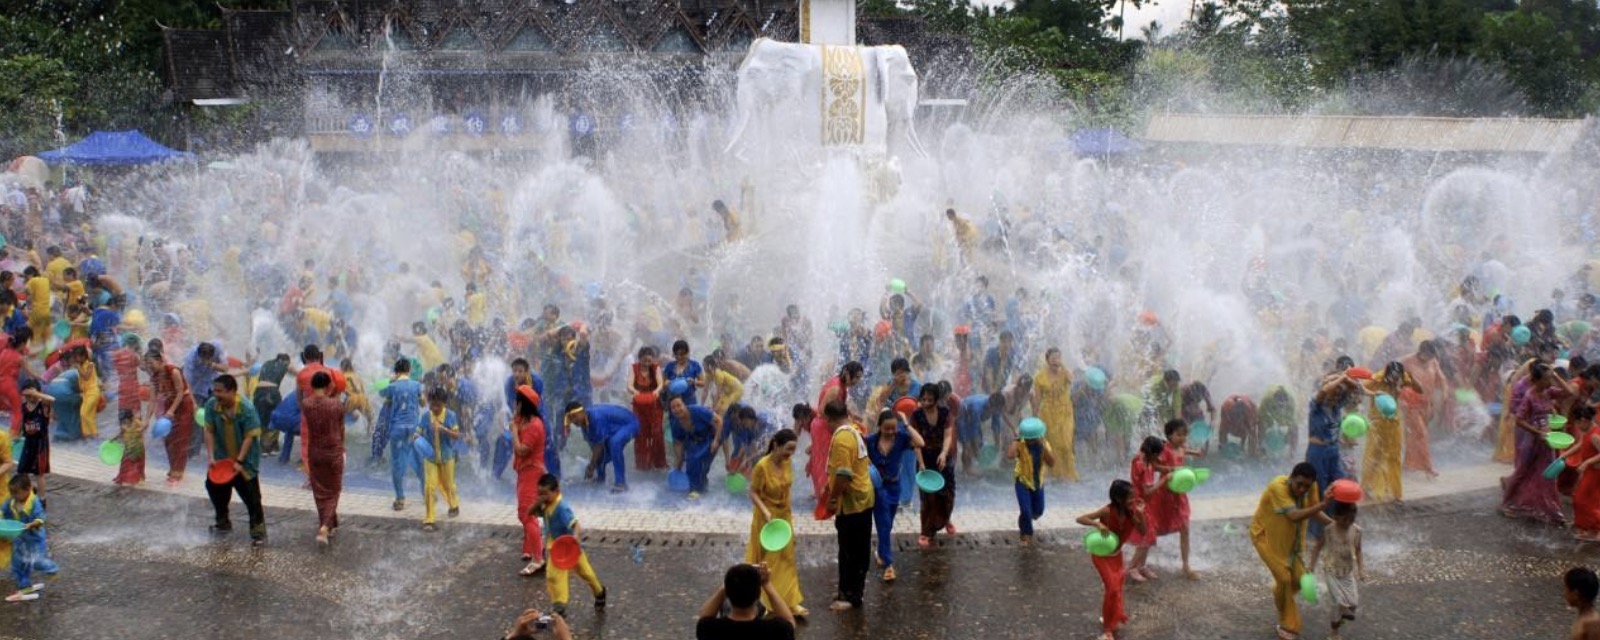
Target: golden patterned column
805,20
844,96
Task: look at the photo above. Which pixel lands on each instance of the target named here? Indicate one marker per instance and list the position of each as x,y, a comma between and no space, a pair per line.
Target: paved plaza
138,563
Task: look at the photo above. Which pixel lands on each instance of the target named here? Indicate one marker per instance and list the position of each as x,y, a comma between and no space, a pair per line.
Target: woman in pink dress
1527,493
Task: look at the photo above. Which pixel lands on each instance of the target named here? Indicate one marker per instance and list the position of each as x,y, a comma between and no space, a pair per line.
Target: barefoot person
1278,532
1344,567
171,400
527,441
324,434
1123,517
1169,510
1526,492
932,421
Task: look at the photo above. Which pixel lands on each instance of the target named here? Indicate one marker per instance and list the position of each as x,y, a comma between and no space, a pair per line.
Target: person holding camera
532,622
742,587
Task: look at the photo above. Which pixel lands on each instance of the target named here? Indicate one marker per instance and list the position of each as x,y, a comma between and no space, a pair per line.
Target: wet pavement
139,564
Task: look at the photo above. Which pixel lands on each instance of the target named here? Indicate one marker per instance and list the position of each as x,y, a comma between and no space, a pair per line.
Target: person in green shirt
233,433
851,497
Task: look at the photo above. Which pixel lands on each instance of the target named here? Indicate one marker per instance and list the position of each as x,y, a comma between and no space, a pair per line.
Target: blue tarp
1102,142
113,148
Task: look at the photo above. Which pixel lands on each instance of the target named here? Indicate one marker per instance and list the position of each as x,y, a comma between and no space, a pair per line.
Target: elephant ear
880,68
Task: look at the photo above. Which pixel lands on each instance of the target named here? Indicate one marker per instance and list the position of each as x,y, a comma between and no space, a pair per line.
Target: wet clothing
936,507
697,437
1280,542
1029,483
324,434
30,552
772,482
892,478
611,427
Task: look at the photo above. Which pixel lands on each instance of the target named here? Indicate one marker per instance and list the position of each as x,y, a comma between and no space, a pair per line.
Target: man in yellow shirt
38,305
72,286
1278,533
729,389
477,306
851,497
56,268
966,234
733,230
321,321
427,350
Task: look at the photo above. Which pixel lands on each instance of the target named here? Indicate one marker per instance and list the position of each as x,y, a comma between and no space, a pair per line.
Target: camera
542,623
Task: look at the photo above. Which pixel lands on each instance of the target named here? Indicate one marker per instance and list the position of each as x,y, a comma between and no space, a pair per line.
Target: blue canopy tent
113,148
1105,141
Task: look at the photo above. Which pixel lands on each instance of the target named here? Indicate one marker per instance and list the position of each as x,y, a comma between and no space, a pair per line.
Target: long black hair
1121,493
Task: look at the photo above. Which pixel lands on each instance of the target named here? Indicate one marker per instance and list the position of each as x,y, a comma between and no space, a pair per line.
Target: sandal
889,575
924,542
1285,634
532,569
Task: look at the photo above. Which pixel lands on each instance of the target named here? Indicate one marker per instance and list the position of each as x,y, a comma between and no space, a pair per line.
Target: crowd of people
895,402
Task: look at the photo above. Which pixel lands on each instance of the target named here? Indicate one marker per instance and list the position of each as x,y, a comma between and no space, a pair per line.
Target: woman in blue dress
886,447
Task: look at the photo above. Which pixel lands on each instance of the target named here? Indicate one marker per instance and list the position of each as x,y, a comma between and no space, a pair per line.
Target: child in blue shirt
29,553
402,401
1032,454
560,521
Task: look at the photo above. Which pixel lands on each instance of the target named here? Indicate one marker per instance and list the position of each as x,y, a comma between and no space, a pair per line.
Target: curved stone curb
81,466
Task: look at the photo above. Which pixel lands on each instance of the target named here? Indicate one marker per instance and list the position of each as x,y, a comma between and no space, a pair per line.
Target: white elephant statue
795,95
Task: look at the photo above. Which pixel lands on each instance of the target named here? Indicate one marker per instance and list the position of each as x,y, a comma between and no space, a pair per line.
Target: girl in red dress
650,450
1145,484
1169,511
1124,516
1583,459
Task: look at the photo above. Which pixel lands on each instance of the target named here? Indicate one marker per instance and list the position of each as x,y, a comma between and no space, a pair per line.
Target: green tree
1541,59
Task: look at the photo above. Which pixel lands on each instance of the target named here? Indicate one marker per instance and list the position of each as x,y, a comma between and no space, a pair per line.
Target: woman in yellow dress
89,386
770,483
1380,466
1052,403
